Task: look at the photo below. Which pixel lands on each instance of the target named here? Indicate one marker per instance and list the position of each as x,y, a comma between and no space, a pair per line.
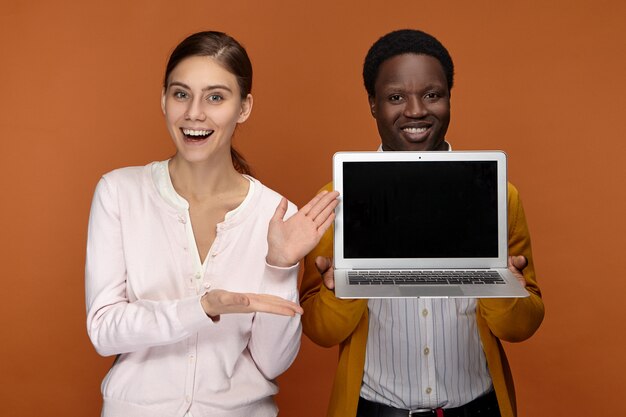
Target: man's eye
432,96
395,97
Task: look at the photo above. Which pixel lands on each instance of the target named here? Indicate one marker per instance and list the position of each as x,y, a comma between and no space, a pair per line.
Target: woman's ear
163,100
246,108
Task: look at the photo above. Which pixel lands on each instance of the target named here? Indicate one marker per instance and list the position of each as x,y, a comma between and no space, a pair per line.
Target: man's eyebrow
402,86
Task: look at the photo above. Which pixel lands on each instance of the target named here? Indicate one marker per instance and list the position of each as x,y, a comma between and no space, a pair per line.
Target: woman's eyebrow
217,87
179,84
207,88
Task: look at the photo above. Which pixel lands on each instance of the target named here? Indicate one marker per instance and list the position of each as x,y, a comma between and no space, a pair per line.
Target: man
438,357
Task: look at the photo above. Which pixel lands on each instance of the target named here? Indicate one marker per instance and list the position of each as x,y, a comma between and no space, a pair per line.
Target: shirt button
429,390
426,351
198,275
182,220
207,285
191,358
188,398
424,312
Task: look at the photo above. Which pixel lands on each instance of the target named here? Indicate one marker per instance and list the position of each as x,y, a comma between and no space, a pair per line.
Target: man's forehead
414,68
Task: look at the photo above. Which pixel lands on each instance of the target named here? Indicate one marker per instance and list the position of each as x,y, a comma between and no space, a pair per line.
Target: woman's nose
195,110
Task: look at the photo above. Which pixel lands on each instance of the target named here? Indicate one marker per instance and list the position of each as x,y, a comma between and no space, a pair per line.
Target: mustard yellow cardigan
329,321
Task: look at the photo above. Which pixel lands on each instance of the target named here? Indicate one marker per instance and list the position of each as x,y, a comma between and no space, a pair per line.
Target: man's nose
414,107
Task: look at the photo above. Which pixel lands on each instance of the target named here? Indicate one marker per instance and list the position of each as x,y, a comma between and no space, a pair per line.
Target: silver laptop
422,224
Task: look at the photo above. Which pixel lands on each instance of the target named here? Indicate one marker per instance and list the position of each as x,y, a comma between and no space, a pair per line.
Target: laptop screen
426,209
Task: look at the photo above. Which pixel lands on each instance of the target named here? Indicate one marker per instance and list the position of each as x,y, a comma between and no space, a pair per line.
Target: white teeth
415,129
190,132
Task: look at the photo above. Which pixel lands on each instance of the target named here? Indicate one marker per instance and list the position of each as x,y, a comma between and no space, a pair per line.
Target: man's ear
246,108
372,102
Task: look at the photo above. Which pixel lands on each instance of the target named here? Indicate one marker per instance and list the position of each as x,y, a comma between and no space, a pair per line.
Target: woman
191,268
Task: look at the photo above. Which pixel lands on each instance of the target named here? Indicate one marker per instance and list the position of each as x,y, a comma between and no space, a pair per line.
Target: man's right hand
325,268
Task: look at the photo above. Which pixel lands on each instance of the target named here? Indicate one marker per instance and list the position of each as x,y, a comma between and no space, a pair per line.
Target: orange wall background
543,81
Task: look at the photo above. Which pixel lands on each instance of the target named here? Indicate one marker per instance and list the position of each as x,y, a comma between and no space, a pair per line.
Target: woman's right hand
290,240
217,302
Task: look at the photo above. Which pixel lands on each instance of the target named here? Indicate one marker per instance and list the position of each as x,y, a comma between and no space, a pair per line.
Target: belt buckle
421,410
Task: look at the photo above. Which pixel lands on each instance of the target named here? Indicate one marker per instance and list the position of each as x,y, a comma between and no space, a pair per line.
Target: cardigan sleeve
516,319
114,324
327,320
275,339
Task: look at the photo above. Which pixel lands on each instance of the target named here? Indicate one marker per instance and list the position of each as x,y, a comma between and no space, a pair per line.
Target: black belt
487,405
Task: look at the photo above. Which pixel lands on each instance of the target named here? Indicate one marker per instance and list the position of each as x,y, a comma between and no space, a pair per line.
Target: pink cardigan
143,305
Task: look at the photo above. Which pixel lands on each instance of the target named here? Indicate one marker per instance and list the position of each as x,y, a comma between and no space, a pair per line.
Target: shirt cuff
278,279
191,314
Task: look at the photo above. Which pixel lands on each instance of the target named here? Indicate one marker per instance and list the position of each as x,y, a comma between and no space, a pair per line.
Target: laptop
422,224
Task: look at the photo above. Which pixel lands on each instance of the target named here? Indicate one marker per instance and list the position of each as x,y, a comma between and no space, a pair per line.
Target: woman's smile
196,134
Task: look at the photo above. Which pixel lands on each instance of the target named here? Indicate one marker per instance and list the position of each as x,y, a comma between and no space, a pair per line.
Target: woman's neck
201,180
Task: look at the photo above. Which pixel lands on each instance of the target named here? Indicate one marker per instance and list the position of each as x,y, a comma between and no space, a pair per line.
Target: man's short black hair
405,41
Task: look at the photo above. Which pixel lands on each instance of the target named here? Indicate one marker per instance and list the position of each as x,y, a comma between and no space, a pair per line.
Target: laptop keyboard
438,277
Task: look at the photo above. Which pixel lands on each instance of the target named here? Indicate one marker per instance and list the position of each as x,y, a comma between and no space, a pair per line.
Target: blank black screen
429,209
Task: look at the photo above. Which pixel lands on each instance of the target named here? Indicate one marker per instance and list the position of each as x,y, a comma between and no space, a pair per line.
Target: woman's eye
214,98
180,95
